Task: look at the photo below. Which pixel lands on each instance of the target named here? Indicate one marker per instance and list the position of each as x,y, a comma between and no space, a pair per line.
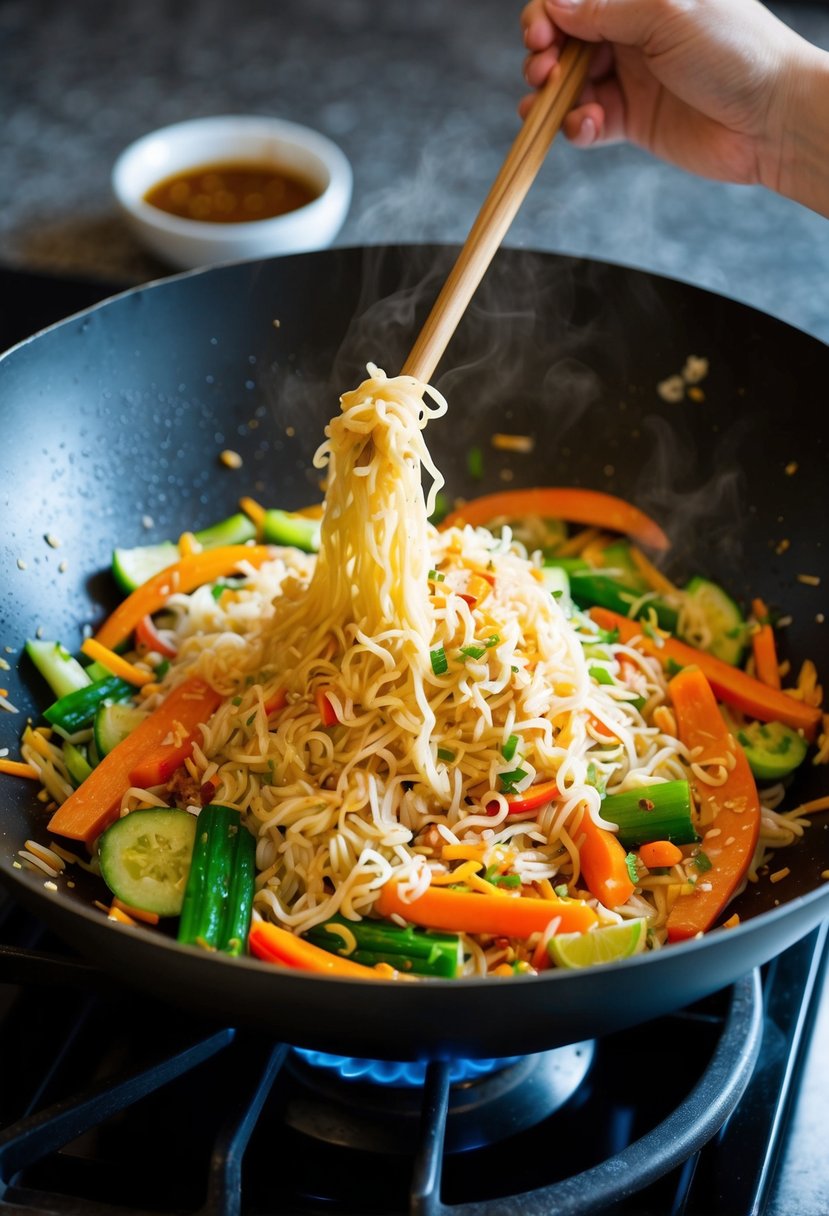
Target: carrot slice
506,916
94,804
729,684
592,507
734,806
658,854
18,768
185,575
603,864
114,663
532,798
275,945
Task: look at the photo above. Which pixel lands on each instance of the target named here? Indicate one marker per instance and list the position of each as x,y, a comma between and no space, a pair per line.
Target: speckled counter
422,97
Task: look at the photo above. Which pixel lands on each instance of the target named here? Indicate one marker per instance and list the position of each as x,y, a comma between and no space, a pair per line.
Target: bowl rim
329,155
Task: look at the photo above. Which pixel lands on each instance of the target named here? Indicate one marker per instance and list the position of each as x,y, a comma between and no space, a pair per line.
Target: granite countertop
422,98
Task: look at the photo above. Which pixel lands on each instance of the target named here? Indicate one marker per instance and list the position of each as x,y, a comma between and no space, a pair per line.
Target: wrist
796,163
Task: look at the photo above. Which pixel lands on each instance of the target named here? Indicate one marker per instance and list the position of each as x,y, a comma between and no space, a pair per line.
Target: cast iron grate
113,1104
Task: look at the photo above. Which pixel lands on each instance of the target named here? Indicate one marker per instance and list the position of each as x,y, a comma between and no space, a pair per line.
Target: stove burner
382,1115
403,1073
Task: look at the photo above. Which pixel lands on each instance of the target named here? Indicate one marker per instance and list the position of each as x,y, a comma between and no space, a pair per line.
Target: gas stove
114,1103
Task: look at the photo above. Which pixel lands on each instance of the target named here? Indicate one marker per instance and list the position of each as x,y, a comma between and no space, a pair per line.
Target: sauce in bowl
231,192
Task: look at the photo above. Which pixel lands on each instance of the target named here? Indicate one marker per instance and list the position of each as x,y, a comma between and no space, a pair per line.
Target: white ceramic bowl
186,243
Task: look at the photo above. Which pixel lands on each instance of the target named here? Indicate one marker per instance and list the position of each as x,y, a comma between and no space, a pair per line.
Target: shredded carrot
764,649
657,854
464,852
185,575
150,918
274,945
730,684
254,511
17,768
591,507
655,579
115,913
575,545
144,758
114,663
457,911
603,863
462,873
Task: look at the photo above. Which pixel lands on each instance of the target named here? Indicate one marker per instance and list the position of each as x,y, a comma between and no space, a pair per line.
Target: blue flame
402,1073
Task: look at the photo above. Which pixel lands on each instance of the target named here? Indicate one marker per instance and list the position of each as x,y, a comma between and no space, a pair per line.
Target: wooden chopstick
505,196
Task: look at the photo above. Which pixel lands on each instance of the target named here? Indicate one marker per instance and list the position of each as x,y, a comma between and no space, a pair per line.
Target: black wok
121,412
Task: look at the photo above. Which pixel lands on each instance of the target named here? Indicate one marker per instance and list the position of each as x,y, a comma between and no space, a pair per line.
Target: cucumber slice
772,749
145,859
77,709
76,763
61,672
286,528
722,616
132,567
113,723
557,582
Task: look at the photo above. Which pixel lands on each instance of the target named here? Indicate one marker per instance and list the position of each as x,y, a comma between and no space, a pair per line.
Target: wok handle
505,196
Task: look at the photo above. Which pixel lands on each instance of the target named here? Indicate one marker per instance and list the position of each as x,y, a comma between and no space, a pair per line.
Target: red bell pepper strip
591,507
729,684
731,809
327,713
530,800
148,637
143,758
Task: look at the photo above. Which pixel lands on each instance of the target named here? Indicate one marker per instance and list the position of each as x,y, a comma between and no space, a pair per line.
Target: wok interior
114,422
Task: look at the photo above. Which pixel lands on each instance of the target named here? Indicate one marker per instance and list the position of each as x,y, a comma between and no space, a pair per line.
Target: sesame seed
52,540
21,565
147,521
810,580
63,567
791,468
779,875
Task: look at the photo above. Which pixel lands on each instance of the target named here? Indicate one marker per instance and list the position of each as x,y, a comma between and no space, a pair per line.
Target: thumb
629,22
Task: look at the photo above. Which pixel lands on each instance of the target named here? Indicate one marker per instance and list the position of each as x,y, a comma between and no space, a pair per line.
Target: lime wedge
599,945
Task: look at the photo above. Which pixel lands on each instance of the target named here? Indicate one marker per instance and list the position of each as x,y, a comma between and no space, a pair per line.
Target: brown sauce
231,193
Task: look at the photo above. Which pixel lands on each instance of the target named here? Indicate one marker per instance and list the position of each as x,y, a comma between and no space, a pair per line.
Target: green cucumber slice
113,722
557,582
132,567
724,619
145,859
76,711
772,749
286,528
59,669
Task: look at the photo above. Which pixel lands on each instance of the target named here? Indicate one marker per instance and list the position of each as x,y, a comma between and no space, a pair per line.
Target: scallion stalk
409,949
653,812
218,897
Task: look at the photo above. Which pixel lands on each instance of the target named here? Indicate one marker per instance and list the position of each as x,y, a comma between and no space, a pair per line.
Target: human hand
706,84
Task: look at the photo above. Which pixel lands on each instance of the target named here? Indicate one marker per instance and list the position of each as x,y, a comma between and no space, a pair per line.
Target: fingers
629,22
539,31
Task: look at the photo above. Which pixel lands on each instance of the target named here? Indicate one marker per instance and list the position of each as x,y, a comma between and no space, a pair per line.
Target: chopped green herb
440,663
673,668
445,754
508,750
514,669
475,463
601,675
598,782
473,652
632,868
236,701
493,641
510,780
703,862
162,669
436,577
251,720
493,876
562,890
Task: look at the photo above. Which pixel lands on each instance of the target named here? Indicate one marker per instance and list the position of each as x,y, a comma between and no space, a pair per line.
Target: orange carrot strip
185,575
116,913
764,649
511,916
730,684
734,806
18,768
275,945
655,579
149,918
114,663
327,713
94,804
658,854
254,511
592,507
603,864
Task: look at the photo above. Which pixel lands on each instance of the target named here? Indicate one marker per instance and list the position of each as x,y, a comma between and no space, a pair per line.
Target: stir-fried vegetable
162,740
730,808
275,945
604,864
370,942
501,914
219,895
145,858
661,811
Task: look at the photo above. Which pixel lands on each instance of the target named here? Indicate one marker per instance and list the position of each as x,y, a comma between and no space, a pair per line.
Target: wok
120,412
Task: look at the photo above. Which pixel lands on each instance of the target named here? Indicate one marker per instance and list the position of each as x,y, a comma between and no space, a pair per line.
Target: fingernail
588,132
558,6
